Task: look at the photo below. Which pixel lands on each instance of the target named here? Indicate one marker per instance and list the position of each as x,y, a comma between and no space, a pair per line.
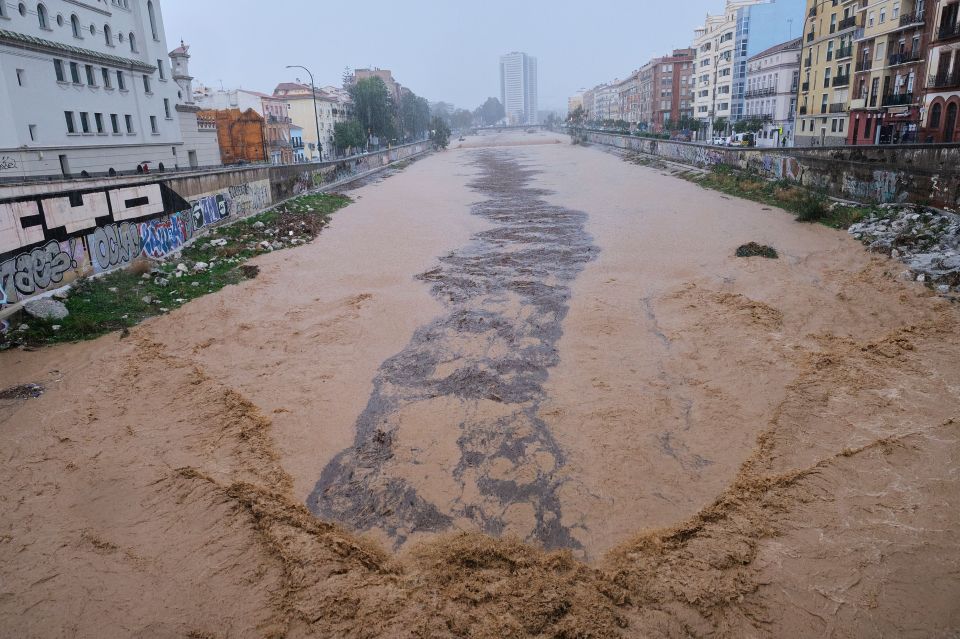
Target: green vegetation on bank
808,205
147,288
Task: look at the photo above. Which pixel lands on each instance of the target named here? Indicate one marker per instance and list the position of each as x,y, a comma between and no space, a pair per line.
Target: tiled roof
783,46
49,46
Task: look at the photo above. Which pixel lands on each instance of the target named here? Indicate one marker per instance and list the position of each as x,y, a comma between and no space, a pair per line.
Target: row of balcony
945,80
905,57
890,99
757,93
272,119
948,31
908,19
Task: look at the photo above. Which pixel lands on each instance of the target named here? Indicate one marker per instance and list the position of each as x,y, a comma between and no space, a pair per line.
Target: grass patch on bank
125,298
807,205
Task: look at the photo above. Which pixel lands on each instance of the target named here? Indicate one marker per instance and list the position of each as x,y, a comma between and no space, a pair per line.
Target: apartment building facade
773,78
299,99
941,100
713,84
86,89
667,89
723,44
827,64
628,99
889,68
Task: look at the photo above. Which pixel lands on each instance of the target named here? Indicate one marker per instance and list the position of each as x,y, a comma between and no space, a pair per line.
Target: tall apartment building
889,64
574,102
827,62
666,89
724,44
86,88
773,78
518,87
942,97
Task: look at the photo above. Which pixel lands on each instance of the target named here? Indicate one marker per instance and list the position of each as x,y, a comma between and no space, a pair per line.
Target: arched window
108,35
153,20
951,123
133,42
75,25
43,17
935,114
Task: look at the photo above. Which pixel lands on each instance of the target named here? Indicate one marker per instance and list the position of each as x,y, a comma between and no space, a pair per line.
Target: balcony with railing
805,86
949,31
807,62
848,23
910,19
810,37
759,93
945,80
273,119
206,125
905,57
845,52
841,80
838,107
864,65
897,99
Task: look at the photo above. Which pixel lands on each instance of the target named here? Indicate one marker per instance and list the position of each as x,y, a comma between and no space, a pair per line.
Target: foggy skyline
455,60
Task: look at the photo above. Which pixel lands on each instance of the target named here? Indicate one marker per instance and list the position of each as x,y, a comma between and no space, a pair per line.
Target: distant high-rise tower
518,87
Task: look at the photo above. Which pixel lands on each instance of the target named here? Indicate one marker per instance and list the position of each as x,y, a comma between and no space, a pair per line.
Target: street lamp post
316,113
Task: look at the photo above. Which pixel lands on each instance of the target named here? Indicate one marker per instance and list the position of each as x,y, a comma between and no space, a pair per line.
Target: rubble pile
927,240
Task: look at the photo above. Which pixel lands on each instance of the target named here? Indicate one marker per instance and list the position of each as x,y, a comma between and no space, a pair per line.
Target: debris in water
752,249
22,391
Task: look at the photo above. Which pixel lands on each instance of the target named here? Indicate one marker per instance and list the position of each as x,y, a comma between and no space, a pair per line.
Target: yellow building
888,73
300,100
825,74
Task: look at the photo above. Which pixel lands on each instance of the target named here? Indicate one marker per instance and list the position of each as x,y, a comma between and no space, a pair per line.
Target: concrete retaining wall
925,174
53,233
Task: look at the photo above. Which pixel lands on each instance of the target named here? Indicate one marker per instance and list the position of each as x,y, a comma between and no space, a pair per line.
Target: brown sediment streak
507,294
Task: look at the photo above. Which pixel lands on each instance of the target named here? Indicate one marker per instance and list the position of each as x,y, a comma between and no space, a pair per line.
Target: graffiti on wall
7,163
883,186
49,240
113,245
39,269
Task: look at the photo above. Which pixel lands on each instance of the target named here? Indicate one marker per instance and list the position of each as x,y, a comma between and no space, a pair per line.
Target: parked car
742,139
719,141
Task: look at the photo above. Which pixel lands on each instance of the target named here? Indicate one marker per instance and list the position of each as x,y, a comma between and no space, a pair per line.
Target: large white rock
46,309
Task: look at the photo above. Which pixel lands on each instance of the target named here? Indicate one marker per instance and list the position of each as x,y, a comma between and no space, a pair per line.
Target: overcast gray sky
442,50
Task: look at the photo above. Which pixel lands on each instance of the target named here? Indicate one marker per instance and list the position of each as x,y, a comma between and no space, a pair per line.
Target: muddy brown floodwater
519,388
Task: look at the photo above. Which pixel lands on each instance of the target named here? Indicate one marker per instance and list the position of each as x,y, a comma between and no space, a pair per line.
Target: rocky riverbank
927,240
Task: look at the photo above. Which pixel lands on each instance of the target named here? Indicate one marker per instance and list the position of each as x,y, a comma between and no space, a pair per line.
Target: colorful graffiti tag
48,241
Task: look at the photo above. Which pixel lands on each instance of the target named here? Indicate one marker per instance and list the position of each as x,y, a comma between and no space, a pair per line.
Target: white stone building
201,148
86,88
724,44
713,80
773,77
